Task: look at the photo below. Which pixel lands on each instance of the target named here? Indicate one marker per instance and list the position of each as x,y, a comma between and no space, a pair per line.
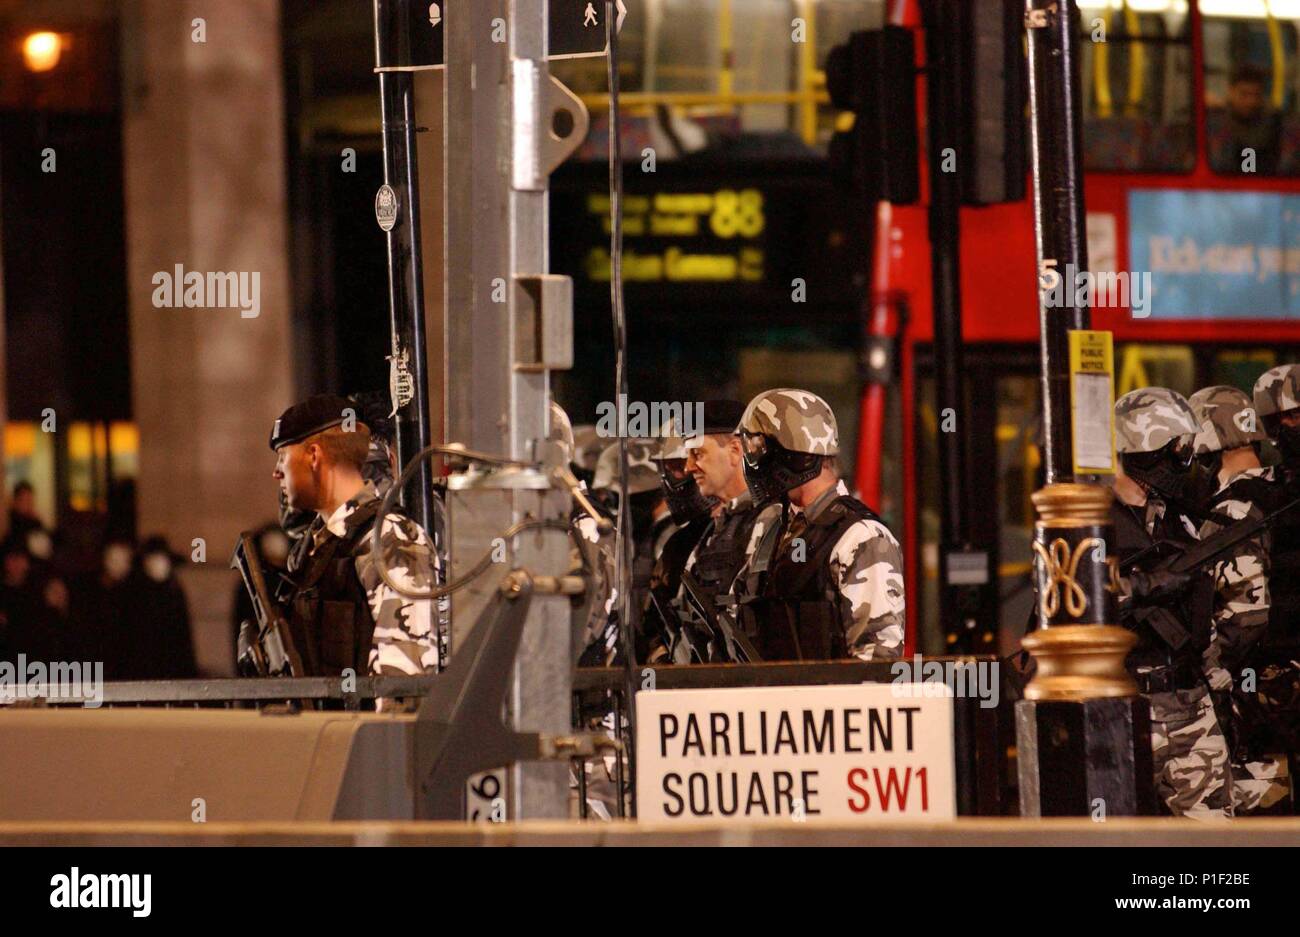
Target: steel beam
496,129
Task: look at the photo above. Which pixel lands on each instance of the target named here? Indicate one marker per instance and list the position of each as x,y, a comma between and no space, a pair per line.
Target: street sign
410,35
1092,399
576,30
866,753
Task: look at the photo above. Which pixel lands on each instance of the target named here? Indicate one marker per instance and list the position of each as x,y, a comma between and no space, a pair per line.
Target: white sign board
1103,243
870,752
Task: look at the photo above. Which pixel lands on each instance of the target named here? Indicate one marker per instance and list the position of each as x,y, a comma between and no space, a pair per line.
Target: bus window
1140,365
1242,368
1137,86
1019,460
1252,116
704,73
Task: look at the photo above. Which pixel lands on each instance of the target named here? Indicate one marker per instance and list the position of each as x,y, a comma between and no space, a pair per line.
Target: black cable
623,533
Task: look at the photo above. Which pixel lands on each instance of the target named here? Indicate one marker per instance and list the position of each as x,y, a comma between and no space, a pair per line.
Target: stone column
204,157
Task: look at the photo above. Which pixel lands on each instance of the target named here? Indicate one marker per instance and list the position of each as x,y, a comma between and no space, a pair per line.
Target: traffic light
990,38
873,76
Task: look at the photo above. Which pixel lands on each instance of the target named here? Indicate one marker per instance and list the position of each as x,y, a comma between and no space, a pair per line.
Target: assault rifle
681,640
1182,561
1176,558
268,649
720,621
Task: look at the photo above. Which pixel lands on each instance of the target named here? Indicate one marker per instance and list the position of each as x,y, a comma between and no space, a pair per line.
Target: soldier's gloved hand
1160,584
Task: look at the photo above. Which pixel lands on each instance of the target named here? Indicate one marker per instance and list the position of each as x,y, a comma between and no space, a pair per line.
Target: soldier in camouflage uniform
1226,446
342,615
592,551
1277,405
691,512
588,444
714,461
1154,428
825,578
649,512
380,469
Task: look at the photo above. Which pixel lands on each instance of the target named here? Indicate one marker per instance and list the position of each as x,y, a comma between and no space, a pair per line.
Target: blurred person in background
98,602
26,526
1245,135
157,640
33,608
22,511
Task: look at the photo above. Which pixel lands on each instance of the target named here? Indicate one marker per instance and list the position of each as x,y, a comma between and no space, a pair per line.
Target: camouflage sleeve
405,640
1241,603
868,564
597,551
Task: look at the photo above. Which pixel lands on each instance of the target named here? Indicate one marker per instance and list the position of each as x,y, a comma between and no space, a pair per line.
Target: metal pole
499,104
1081,700
943,103
1059,220
408,367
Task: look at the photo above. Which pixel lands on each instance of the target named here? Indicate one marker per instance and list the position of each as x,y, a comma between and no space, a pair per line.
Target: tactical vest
721,552
795,610
329,612
1194,610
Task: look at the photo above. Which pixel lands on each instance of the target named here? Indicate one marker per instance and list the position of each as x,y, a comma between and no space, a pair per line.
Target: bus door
1003,415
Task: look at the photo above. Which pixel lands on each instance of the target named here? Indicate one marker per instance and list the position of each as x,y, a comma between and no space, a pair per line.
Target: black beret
309,418
722,416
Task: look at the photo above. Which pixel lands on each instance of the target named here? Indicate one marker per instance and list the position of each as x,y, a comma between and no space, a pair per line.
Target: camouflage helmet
378,467
1276,391
685,500
798,420
561,431
1150,418
1226,418
673,445
642,474
587,446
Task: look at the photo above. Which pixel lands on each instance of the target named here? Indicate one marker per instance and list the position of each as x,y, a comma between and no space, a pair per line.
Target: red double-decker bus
1191,133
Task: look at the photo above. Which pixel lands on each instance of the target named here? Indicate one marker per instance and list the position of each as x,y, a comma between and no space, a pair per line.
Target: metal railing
234,693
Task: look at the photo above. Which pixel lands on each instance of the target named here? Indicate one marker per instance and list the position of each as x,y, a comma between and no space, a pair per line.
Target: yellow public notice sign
1092,401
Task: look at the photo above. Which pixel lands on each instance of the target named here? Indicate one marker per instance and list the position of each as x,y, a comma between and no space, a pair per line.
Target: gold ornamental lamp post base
1083,732
1083,659
1078,662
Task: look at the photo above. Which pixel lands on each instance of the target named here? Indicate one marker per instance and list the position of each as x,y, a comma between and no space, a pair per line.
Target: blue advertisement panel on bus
1217,255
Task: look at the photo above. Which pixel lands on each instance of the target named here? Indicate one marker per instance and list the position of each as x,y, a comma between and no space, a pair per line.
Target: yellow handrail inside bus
1136,65
641,101
1279,59
726,75
808,74
1101,72
1135,357
1137,61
